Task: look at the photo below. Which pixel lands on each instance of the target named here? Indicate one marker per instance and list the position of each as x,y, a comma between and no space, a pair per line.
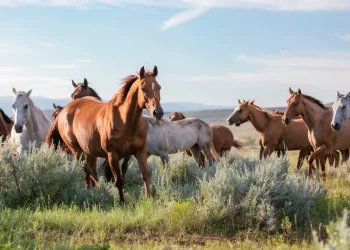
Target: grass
237,204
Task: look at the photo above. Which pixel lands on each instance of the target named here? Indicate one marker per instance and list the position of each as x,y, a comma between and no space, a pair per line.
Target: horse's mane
6,118
59,107
94,93
266,112
312,99
127,82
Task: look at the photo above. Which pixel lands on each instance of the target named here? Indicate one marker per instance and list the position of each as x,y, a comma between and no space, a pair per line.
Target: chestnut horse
223,138
111,130
274,136
6,124
82,90
317,118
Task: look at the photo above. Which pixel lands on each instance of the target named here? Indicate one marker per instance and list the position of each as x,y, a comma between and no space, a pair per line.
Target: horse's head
21,108
56,110
341,110
149,94
294,106
81,90
176,116
240,114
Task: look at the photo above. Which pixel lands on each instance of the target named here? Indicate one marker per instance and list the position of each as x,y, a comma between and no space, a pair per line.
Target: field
240,203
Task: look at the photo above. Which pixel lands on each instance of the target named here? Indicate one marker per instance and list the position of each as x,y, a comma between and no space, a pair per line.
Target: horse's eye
240,111
143,89
26,106
343,107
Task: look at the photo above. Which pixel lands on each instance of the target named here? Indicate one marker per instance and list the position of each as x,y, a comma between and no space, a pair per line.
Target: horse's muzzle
158,113
18,128
286,121
335,126
229,122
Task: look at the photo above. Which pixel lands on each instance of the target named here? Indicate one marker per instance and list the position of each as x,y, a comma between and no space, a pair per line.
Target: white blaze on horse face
21,109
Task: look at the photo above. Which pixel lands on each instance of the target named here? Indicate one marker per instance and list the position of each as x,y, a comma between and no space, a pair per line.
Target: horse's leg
267,151
202,159
336,156
322,162
302,154
261,152
91,168
141,157
319,152
108,171
206,151
165,159
125,164
196,154
345,154
113,159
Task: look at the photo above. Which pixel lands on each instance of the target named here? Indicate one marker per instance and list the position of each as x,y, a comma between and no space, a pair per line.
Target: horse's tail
213,151
54,137
237,144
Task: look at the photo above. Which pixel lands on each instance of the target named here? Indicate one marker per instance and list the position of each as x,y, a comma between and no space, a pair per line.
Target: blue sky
208,51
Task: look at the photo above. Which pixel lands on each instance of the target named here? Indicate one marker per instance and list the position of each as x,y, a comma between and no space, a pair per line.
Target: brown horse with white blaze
273,134
111,130
317,118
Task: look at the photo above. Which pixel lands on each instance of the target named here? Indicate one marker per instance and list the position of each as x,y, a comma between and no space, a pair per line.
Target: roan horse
223,138
6,124
317,118
341,110
31,125
166,137
274,136
111,130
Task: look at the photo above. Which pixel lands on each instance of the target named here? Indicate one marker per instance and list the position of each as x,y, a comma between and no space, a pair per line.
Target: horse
56,110
6,124
317,118
223,138
274,136
345,153
111,130
31,125
82,90
341,110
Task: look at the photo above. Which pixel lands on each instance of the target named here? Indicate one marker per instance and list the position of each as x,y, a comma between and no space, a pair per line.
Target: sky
207,51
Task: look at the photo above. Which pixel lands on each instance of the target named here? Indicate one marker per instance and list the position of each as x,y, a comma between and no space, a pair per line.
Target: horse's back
222,137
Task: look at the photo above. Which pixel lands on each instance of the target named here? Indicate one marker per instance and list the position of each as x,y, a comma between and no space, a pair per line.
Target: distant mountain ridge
46,104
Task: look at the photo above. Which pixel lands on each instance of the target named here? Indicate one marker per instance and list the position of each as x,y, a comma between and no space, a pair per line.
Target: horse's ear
155,71
142,72
14,91
291,91
183,117
299,91
239,101
348,95
54,106
28,93
74,84
252,102
243,100
85,83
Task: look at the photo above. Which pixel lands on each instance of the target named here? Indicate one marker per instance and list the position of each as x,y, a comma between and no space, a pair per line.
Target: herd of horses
89,128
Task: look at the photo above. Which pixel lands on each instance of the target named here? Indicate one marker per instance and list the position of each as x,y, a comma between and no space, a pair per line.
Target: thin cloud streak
345,37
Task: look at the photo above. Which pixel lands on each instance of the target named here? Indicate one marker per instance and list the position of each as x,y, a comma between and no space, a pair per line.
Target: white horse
169,137
341,110
31,125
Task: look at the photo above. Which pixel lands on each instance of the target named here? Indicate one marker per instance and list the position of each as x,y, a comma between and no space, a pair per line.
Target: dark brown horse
6,124
82,90
223,138
111,130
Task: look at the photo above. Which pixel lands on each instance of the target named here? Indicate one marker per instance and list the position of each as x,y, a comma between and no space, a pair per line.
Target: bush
254,194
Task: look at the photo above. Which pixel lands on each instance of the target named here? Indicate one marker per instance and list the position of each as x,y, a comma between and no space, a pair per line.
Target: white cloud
42,86
60,66
11,48
12,69
48,45
195,8
345,37
183,17
287,70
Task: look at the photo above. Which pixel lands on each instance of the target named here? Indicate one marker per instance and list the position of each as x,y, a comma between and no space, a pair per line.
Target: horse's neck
258,119
312,113
35,121
129,110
